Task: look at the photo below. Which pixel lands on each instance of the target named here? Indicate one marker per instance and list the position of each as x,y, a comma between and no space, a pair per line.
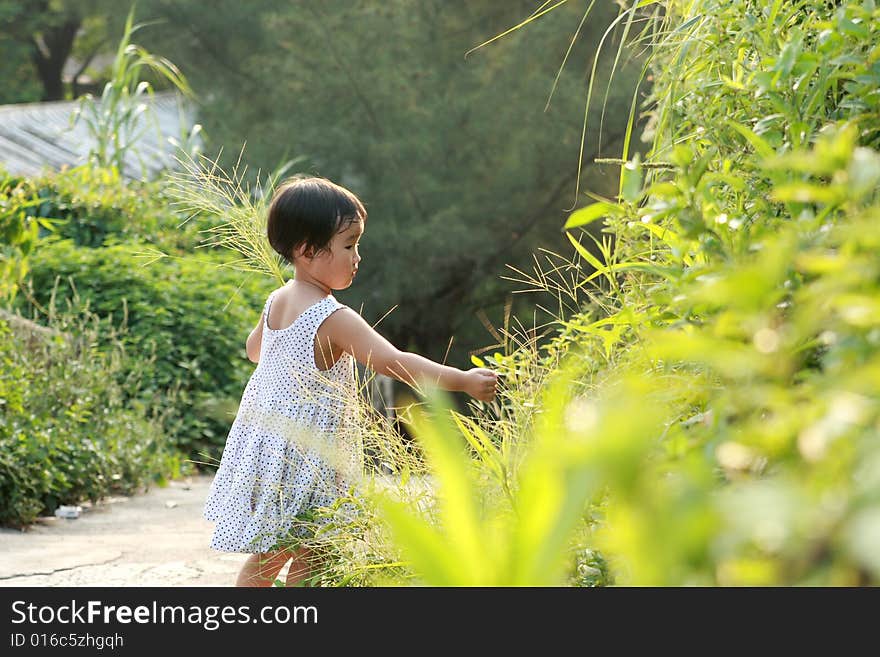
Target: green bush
743,287
67,433
710,416
19,230
187,321
96,207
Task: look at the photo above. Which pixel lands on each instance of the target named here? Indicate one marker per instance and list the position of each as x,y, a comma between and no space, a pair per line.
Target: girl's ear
302,251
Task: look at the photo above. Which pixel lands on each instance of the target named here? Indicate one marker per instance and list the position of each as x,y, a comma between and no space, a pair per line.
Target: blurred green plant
19,231
478,537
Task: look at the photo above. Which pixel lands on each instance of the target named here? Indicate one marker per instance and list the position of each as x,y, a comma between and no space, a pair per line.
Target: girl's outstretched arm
351,333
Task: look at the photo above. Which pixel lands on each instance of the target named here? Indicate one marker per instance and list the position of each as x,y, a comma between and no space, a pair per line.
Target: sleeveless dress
294,444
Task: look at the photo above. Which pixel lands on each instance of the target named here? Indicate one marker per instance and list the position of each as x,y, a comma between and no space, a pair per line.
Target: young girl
292,446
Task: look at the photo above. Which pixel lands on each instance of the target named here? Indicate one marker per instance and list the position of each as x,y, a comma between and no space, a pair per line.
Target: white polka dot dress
293,445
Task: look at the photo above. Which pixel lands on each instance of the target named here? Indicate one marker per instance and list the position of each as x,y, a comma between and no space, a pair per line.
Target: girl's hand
479,383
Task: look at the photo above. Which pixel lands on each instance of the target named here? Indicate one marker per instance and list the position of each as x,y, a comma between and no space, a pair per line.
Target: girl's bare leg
261,569
300,567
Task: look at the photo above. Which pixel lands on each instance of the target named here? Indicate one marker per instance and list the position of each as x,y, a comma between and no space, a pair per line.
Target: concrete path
158,538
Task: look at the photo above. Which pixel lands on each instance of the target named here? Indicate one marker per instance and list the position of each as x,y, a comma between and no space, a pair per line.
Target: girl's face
337,268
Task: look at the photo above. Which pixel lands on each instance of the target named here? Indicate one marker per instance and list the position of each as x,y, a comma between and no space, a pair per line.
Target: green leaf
588,214
585,254
760,145
423,545
808,193
457,503
481,443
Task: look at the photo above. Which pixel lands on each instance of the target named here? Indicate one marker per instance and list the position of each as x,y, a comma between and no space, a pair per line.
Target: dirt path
154,539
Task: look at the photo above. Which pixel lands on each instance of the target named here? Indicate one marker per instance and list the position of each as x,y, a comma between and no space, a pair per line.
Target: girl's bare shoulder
349,331
288,303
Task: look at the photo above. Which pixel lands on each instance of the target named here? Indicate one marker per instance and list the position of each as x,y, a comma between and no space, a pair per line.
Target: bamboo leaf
588,214
585,254
760,145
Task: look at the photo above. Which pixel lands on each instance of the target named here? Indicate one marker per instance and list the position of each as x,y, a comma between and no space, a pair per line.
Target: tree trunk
50,54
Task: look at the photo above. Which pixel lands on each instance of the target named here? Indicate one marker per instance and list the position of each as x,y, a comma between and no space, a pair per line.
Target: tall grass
235,212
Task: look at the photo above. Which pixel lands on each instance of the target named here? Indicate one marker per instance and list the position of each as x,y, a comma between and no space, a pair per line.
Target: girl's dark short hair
310,211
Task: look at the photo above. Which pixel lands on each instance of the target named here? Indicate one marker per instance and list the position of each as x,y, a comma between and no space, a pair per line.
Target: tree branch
88,60
50,55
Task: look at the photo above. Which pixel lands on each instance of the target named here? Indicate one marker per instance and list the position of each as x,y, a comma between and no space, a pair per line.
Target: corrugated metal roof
35,136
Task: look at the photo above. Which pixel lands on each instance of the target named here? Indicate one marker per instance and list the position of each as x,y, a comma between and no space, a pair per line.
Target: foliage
19,231
16,70
37,38
731,321
460,166
186,343
66,432
95,207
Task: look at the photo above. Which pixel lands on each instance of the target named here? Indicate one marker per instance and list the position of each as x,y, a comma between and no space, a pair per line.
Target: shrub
67,433
186,324
95,207
714,418
19,231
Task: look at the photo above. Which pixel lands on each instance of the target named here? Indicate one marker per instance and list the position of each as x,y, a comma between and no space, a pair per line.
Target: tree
37,37
461,169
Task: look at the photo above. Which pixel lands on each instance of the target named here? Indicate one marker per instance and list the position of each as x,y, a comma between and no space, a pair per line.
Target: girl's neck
297,280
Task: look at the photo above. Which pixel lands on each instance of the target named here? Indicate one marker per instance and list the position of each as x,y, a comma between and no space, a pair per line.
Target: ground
157,538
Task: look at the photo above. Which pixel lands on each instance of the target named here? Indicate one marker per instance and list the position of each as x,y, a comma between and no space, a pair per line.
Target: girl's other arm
254,341
351,333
